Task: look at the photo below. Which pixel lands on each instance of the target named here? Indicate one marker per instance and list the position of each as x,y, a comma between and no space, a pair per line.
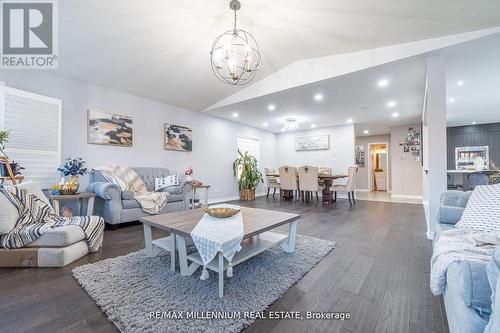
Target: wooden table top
319,176
71,196
255,221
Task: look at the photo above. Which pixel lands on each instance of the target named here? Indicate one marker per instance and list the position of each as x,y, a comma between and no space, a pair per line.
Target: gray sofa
120,207
468,294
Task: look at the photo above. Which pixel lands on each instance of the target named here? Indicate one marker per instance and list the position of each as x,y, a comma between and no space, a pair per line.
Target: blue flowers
73,167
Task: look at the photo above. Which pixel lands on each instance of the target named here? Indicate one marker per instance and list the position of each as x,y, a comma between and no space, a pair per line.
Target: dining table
326,196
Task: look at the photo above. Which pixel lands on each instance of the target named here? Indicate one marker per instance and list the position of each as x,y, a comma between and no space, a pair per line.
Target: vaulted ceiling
159,49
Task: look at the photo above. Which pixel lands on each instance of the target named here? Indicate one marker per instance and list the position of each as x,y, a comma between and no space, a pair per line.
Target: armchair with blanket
117,206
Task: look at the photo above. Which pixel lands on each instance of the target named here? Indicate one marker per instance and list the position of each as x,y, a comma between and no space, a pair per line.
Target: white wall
214,139
406,173
340,155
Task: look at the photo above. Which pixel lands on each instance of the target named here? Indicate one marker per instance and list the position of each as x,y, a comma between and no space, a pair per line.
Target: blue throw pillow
493,278
475,288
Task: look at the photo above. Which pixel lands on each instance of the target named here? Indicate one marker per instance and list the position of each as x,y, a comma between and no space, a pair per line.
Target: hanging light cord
234,21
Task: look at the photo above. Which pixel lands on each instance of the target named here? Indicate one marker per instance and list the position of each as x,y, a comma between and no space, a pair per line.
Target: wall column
434,118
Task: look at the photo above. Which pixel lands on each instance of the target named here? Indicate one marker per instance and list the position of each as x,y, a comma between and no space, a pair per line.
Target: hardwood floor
379,272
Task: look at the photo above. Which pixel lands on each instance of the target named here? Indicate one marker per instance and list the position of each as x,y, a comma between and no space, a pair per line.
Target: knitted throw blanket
36,217
128,180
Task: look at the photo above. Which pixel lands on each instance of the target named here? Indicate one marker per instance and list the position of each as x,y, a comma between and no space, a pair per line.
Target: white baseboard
406,196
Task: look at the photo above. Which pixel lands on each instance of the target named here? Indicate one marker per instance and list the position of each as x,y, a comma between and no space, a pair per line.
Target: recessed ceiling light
318,97
383,83
366,131
282,129
452,100
395,114
460,83
349,121
265,124
473,123
235,115
313,125
271,107
391,104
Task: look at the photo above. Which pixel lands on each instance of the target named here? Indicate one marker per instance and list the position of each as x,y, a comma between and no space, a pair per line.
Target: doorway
378,167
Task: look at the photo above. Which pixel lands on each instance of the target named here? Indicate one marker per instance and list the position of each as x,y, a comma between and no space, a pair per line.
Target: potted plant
14,166
73,167
4,138
245,168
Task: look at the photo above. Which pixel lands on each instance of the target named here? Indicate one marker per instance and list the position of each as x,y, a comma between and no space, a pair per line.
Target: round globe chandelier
235,55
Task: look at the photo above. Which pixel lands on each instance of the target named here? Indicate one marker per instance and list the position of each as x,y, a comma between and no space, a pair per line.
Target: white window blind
249,144
35,138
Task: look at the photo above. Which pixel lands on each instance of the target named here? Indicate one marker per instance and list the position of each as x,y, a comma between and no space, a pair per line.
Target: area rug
141,294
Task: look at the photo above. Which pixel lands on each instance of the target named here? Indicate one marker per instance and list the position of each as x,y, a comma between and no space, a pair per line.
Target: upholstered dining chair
273,182
348,187
476,178
308,181
288,179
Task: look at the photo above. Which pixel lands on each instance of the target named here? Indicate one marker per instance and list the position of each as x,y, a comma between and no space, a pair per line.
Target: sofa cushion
482,212
129,204
34,188
475,289
168,181
58,237
8,215
173,189
494,280
127,195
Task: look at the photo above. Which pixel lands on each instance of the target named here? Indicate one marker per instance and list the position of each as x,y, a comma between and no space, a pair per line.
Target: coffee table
258,237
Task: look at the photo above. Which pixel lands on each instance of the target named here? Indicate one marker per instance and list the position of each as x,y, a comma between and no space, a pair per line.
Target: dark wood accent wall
474,135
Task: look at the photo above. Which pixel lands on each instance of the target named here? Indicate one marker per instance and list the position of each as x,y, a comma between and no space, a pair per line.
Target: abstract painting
178,138
316,142
109,129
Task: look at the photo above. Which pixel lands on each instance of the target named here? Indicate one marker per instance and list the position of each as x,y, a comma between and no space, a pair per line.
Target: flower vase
71,187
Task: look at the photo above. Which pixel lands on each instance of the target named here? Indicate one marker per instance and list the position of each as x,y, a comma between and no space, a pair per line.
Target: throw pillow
482,212
8,215
164,182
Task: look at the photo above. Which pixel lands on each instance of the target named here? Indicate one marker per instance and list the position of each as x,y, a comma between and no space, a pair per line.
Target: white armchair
347,187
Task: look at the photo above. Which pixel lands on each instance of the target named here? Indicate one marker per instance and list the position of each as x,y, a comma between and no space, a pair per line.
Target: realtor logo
29,34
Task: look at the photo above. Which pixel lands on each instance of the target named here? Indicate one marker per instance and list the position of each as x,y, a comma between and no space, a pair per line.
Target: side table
55,199
196,187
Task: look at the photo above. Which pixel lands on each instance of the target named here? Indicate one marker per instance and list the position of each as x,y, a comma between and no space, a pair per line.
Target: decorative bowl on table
221,212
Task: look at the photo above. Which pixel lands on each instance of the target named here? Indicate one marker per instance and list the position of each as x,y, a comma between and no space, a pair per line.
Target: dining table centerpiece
73,168
245,169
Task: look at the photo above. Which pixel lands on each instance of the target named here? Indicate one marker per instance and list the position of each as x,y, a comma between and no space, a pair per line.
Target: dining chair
273,182
308,181
347,187
475,179
288,179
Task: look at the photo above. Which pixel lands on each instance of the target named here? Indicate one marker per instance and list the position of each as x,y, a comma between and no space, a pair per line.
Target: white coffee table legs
289,245
221,275
186,268
154,247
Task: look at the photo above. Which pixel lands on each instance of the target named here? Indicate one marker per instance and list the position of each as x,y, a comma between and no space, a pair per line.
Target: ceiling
357,95
159,49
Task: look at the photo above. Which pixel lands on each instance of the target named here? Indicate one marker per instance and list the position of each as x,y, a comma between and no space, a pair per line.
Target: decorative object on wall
235,55
315,142
411,143
249,176
178,138
73,167
360,155
109,129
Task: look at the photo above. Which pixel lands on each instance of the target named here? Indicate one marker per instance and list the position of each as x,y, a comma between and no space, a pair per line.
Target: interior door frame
370,171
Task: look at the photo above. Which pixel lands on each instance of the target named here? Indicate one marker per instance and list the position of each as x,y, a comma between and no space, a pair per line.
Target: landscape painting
316,142
109,129
178,138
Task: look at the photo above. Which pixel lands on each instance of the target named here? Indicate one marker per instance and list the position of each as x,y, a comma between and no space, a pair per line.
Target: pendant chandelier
235,55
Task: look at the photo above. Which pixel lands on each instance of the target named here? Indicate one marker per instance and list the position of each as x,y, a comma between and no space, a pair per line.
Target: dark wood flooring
379,272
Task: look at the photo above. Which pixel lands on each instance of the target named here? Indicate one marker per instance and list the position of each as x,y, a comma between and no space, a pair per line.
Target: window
35,138
249,144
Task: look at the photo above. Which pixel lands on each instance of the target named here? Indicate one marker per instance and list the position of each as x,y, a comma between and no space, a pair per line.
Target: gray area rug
130,287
